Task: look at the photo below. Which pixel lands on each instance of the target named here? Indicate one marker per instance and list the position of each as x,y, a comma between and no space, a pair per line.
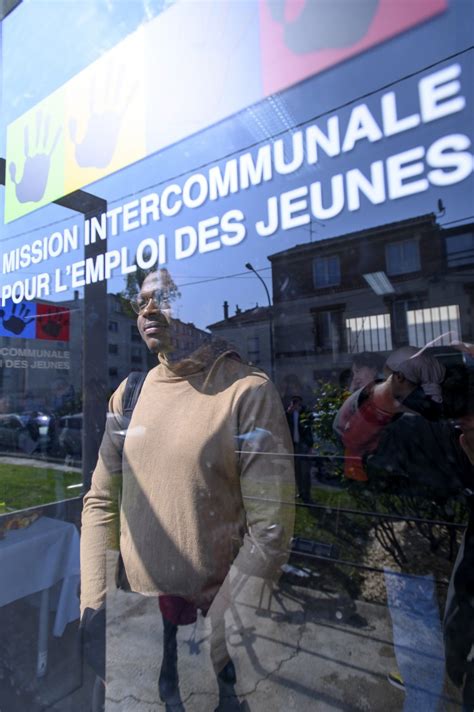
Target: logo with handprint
35,158
300,39
93,125
38,147
29,320
18,320
105,121
107,107
52,322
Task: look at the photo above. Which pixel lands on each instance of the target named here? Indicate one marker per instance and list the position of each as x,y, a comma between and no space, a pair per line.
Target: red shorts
178,610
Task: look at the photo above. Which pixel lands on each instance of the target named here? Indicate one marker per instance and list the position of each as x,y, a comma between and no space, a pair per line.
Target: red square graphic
52,322
300,38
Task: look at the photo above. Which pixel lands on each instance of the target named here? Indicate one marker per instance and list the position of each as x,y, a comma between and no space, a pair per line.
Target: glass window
135,334
460,249
402,257
434,323
253,349
136,355
326,271
369,333
328,330
219,221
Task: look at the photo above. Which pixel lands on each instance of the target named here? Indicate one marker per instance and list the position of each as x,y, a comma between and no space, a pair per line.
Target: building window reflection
253,349
328,330
402,257
135,334
327,271
369,333
136,355
425,325
460,249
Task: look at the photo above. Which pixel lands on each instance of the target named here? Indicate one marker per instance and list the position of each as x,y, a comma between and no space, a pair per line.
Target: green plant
329,398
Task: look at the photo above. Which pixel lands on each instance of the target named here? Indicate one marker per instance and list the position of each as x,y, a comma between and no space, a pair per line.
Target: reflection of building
421,286
125,349
126,352
248,332
186,338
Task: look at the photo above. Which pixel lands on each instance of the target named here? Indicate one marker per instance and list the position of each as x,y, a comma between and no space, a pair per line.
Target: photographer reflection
458,624
402,440
413,386
194,476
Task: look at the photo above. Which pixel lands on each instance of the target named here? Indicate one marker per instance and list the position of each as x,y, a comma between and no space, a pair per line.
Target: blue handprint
33,182
99,142
16,323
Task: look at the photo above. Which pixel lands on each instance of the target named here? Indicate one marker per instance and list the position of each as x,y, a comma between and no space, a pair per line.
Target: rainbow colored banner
193,65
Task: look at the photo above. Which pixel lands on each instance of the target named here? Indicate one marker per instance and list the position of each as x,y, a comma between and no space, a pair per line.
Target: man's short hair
368,360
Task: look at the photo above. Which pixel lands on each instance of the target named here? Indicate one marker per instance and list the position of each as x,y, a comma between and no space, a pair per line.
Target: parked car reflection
17,434
70,435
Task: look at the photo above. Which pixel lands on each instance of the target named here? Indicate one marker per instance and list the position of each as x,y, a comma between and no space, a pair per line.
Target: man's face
400,386
154,320
361,376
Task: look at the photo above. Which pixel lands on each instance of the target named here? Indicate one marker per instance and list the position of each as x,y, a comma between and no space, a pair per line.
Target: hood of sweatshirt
205,358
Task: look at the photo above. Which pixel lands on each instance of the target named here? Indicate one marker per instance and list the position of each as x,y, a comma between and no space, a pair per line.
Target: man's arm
100,515
265,454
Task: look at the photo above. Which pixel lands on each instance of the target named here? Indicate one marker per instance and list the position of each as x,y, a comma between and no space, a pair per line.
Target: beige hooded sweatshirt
201,477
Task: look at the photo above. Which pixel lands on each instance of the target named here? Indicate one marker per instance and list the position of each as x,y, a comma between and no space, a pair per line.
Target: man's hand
92,627
463,346
467,438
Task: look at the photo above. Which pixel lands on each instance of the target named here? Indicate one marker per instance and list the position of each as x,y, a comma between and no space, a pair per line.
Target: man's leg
468,689
168,683
223,665
221,660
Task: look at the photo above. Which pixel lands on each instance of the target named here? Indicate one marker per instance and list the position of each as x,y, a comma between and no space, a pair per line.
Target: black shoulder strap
132,391
130,397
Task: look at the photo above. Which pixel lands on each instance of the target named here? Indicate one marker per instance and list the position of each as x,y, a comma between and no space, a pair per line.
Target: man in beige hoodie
200,479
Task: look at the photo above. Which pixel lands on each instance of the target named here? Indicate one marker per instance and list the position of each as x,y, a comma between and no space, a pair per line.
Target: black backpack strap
132,392
130,397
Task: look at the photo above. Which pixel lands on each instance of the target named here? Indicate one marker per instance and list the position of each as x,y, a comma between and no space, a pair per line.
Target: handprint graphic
53,323
322,25
16,323
38,147
109,100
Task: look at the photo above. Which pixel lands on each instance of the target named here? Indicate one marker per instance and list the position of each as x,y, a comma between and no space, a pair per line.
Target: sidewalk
297,649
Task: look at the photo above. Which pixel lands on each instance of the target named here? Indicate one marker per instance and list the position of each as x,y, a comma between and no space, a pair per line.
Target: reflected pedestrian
366,368
300,424
193,484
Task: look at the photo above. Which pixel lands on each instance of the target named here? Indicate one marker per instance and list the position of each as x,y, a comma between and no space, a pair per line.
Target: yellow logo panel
90,127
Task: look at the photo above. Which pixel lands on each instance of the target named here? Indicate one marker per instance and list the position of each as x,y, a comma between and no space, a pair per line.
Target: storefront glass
272,200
